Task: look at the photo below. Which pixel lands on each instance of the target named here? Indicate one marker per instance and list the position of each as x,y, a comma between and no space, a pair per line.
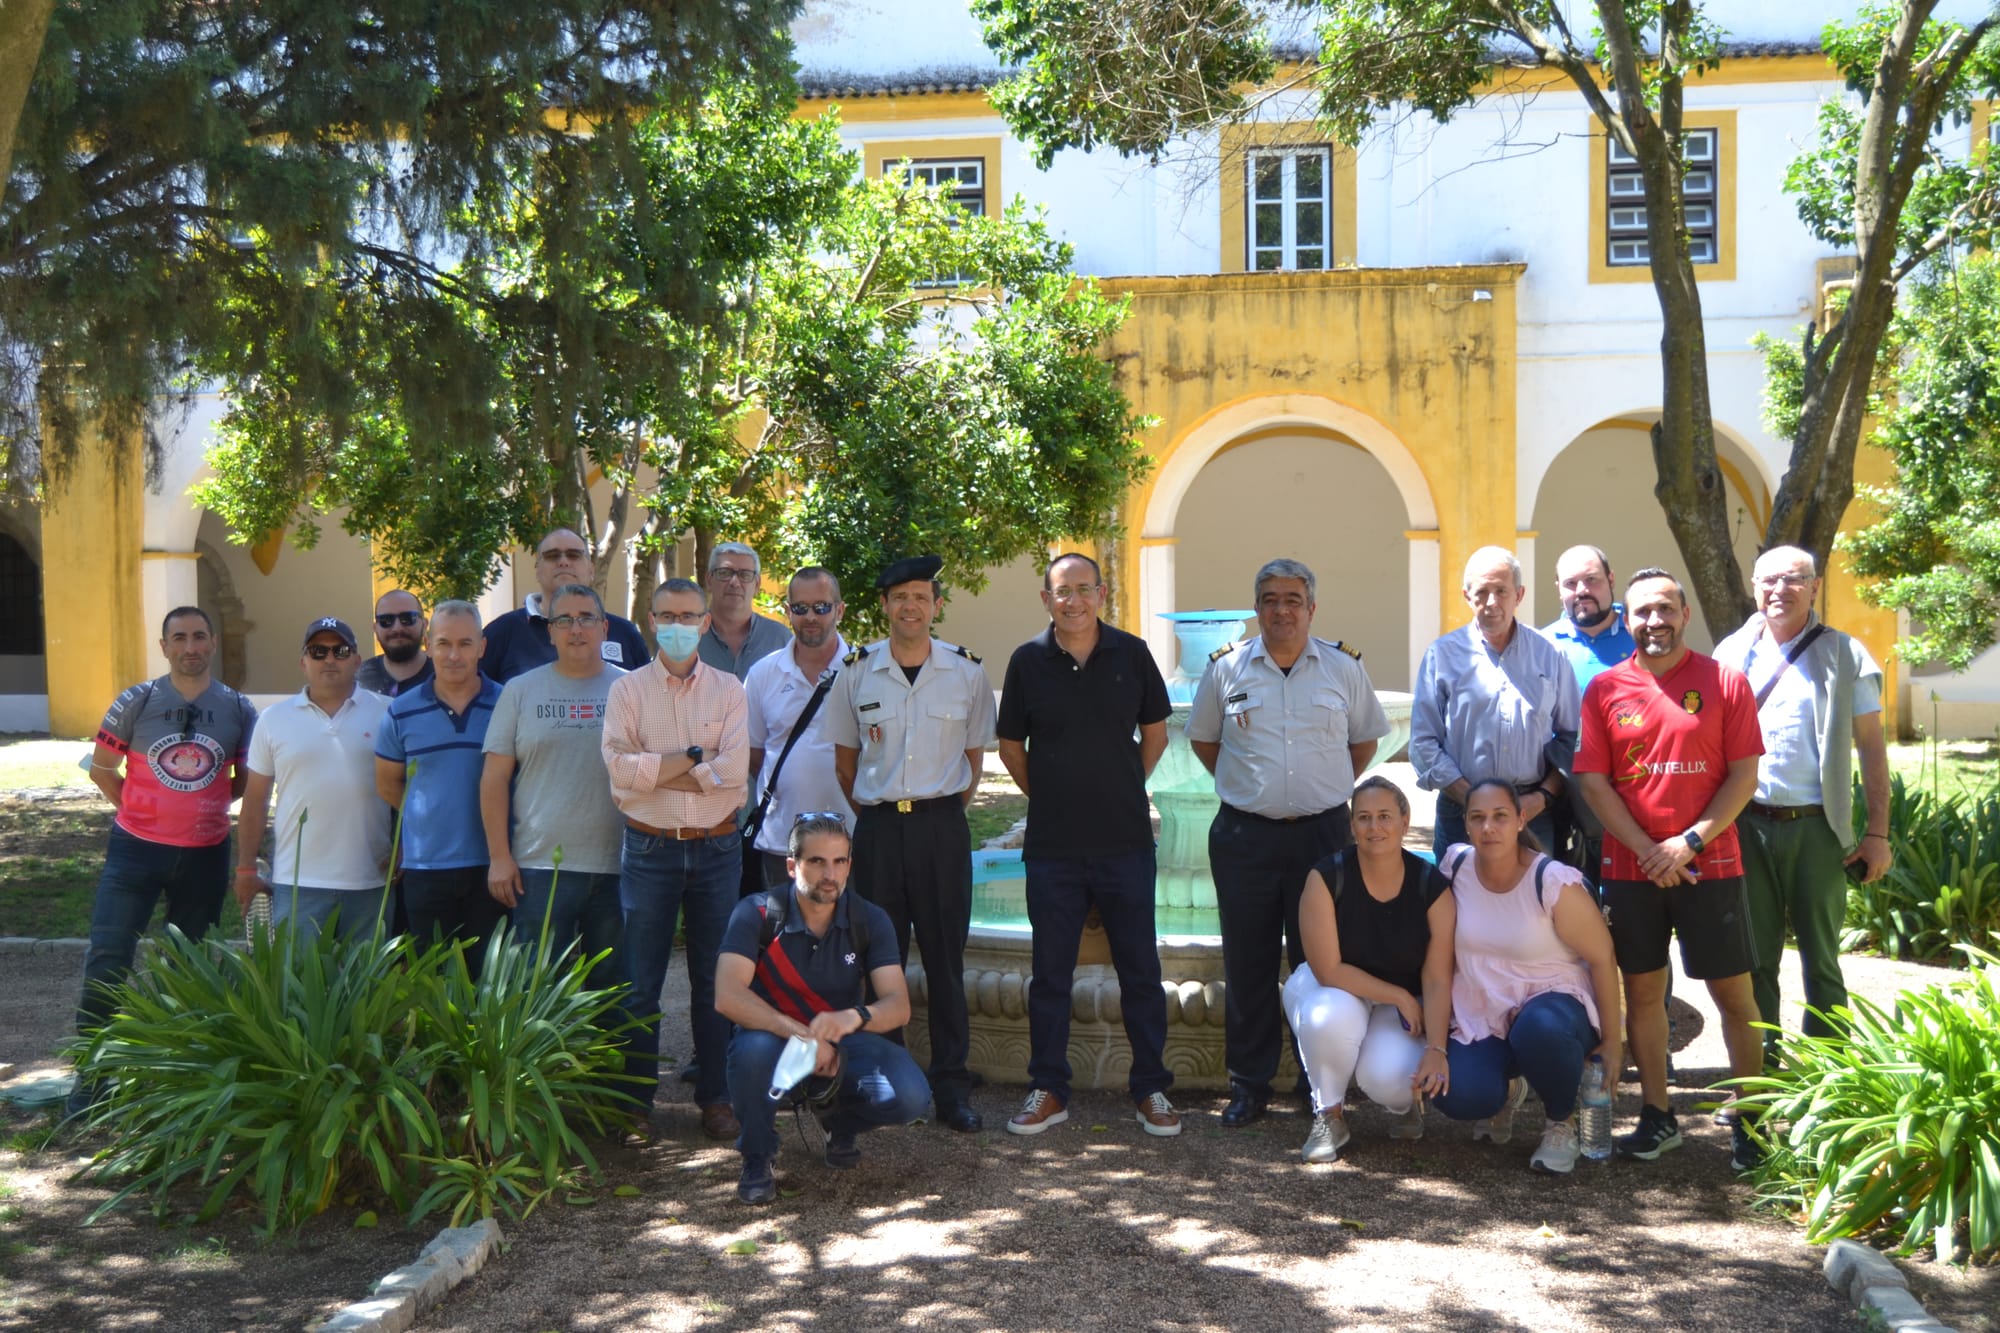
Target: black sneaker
1746,1148
757,1184
842,1152
1657,1132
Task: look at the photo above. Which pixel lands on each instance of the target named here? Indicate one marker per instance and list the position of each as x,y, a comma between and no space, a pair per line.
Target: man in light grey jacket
1819,700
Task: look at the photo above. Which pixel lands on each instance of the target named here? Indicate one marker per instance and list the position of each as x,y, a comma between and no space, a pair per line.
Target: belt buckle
904,807
686,834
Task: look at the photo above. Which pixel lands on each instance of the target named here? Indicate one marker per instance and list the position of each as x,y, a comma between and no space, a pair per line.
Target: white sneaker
1329,1135
1410,1124
1499,1127
1557,1154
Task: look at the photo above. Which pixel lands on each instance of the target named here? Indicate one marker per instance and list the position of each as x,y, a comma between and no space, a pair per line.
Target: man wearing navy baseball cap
316,751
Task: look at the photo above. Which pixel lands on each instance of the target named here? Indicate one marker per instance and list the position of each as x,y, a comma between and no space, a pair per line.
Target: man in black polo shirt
1091,699
809,983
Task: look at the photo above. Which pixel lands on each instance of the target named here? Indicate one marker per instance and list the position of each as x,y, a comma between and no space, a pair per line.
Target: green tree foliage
1883,192
1936,551
744,340
180,164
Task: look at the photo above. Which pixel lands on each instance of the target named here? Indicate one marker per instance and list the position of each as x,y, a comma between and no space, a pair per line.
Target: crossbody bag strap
756,820
1792,654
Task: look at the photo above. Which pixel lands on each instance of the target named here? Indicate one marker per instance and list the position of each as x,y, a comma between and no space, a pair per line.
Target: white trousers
1344,1038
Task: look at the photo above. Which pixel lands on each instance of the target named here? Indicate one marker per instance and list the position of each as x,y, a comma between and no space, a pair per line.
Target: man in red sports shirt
1668,760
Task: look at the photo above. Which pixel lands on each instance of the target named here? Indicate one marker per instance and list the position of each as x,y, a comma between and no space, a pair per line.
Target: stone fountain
997,955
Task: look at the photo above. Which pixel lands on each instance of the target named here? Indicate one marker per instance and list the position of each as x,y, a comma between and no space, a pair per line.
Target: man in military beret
1286,722
910,718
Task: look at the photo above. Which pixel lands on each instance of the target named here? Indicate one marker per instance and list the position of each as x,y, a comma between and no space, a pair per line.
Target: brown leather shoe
719,1122
1042,1110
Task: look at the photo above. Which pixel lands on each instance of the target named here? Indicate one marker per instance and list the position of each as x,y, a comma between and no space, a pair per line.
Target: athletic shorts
1711,917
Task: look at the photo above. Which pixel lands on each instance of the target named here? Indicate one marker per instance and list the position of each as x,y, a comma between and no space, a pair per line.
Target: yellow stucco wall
92,530
1413,349
1844,608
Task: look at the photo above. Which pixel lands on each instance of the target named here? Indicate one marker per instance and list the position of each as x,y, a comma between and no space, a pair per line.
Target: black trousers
917,867
453,904
1260,868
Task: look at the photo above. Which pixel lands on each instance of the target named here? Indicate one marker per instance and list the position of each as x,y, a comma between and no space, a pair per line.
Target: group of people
734,775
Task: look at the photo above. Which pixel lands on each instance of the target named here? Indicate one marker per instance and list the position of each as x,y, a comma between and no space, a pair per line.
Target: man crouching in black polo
800,963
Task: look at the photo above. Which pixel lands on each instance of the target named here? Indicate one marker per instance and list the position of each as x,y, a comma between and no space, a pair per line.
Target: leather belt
1785,812
727,826
1284,819
914,805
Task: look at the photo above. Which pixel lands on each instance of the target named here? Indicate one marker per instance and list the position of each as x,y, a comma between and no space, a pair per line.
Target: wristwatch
1694,841
694,753
862,1009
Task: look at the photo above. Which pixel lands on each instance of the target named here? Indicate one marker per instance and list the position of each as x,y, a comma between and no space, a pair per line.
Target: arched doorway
1305,476
1598,491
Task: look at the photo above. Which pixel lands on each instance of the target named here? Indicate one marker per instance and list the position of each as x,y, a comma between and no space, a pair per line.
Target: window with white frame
1289,195
1625,202
963,178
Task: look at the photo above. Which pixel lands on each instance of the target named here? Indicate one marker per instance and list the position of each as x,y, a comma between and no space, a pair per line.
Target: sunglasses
390,619
805,815
811,608
319,652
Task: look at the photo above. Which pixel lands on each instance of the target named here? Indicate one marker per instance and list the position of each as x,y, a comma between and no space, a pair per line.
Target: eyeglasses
319,652
810,608
733,575
1078,593
1783,580
569,553
394,618
582,621
684,618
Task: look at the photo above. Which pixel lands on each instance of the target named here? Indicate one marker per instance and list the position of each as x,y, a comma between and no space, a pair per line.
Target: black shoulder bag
753,860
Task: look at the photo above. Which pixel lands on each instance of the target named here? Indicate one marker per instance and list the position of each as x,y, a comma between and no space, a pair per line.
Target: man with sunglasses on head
543,790
737,638
403,664
795,775
519,641
169,757
330,837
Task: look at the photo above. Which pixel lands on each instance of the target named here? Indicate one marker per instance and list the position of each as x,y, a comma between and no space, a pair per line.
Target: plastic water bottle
1593,1117
795,1063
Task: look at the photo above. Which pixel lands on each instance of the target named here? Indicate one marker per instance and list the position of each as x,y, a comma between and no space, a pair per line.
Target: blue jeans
1449,827
136,872
1547,1044
358,908
586,910
1061,891
880,1085
661,878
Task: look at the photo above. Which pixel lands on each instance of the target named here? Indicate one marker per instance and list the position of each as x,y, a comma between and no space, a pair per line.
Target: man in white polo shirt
779,688
330,845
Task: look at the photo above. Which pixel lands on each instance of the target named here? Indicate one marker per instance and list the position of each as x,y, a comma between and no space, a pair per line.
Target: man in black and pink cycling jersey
169,756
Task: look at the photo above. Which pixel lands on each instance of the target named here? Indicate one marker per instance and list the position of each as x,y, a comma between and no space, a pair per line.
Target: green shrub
1943,887
1897,1125
303,1071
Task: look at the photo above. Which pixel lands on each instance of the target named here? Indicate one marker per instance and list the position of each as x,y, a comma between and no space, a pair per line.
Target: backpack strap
1457,864
1541,880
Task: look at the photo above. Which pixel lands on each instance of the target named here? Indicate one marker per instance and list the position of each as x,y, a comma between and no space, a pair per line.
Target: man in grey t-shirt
544,790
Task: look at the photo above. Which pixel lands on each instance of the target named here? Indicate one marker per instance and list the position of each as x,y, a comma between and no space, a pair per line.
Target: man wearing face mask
676,745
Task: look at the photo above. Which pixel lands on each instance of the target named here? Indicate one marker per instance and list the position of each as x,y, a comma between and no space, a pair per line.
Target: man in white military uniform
1285,721
910,718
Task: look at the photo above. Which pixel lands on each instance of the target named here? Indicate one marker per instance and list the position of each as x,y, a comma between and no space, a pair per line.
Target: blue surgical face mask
678,642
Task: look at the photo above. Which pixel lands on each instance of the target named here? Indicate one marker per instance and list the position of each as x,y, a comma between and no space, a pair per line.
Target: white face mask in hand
795,1063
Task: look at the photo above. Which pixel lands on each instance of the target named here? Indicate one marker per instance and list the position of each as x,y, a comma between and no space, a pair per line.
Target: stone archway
216,594
1309,414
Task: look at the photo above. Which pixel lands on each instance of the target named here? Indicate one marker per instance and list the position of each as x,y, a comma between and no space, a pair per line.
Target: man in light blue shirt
1592,634
1493,700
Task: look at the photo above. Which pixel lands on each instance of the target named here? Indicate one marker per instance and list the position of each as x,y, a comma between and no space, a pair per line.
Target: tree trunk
23,26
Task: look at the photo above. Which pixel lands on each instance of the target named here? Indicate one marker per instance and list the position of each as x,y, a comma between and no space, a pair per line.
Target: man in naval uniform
910,718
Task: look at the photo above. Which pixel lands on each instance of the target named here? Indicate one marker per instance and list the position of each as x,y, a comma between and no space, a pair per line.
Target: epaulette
1354,653
854,657
966,654
1224,651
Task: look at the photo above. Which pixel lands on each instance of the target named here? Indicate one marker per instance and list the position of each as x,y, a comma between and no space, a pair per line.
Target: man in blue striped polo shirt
428,758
